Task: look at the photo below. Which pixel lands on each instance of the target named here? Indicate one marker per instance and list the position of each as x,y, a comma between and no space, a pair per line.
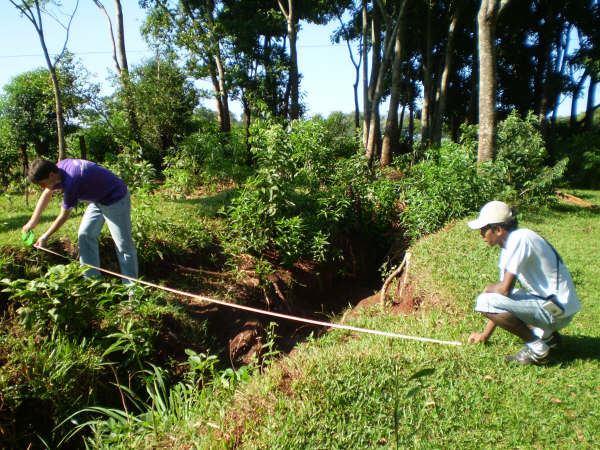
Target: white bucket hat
491,213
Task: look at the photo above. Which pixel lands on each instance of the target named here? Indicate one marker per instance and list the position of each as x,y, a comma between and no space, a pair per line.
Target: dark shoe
554,340
526,357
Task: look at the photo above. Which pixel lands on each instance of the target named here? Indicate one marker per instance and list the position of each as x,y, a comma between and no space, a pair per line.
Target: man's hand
27,227
41,242
477,338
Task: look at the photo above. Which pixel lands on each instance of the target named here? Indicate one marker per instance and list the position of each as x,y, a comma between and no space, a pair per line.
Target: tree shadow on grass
573,348
13,223
209,206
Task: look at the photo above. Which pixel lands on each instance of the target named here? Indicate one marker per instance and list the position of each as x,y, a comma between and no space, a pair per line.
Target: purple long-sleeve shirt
87,181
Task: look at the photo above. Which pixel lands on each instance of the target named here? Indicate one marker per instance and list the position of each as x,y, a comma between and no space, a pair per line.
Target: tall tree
442,89
391,133
121,65
486,26
32,10
379,67
427,66
348,32
193,26
288,9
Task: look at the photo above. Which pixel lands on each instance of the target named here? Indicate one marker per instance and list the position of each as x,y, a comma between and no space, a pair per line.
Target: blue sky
326,69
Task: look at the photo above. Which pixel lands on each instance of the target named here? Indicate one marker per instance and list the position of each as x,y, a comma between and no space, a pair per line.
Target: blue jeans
118,218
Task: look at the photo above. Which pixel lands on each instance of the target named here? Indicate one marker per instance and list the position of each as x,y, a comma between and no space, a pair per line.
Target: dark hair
40,169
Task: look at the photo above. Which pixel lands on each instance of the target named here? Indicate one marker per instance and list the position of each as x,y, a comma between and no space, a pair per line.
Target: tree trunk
411,124
401,121
375,69
57,96
365,73
563,46
442,93
427,76
62,147
124,75
247,121
225,122
473,111
82,147
575,99
590,107
390,136
486,24
356,73
374,140
289,13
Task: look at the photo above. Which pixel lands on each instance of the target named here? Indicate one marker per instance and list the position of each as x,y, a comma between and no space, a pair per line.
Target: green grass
355,391
15,213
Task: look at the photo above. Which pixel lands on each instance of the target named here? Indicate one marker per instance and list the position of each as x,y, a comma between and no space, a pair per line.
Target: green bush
445,186
448,183
519,170
583,150
159,237
68,337
136,172
305,193
205,157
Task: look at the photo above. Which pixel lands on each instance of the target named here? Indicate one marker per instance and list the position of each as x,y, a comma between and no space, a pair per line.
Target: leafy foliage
163,237
448,183
583,151
164,100
131,168
443,187
304,193
203,158
70,330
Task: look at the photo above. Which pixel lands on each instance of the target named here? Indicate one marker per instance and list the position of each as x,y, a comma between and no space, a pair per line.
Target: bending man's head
495,221
44,173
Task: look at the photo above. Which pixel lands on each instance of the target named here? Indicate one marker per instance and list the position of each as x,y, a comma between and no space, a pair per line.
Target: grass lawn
349,391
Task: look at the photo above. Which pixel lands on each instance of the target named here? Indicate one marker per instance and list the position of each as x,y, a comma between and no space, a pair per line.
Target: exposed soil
304,290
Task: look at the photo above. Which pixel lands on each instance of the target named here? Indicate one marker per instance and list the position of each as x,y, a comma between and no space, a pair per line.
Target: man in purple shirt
109,202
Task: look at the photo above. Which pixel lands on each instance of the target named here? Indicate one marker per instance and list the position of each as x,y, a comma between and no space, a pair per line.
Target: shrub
583,150
304,194
444,186
520,169
70,330
159,237
137,173
448,183
205,157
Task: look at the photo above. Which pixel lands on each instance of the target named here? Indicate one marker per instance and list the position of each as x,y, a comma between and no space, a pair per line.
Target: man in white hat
547,299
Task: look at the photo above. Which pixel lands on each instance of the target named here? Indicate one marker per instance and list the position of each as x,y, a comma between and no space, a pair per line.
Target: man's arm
476,338
505,287
40,206
58,222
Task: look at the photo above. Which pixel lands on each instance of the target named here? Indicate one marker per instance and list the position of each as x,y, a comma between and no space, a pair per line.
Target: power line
39,55
74,53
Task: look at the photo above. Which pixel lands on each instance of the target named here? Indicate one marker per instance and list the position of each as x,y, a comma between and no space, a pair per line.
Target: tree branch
112,35
68,29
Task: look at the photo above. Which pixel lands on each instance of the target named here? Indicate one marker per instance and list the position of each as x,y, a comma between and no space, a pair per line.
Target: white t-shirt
531,259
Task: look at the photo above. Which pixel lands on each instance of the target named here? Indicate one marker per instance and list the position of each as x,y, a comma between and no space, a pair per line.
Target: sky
327,71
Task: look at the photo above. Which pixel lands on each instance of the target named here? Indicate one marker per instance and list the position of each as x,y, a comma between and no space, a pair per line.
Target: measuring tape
263,311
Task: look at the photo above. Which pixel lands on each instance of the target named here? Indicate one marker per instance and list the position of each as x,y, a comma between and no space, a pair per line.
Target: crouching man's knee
491,303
